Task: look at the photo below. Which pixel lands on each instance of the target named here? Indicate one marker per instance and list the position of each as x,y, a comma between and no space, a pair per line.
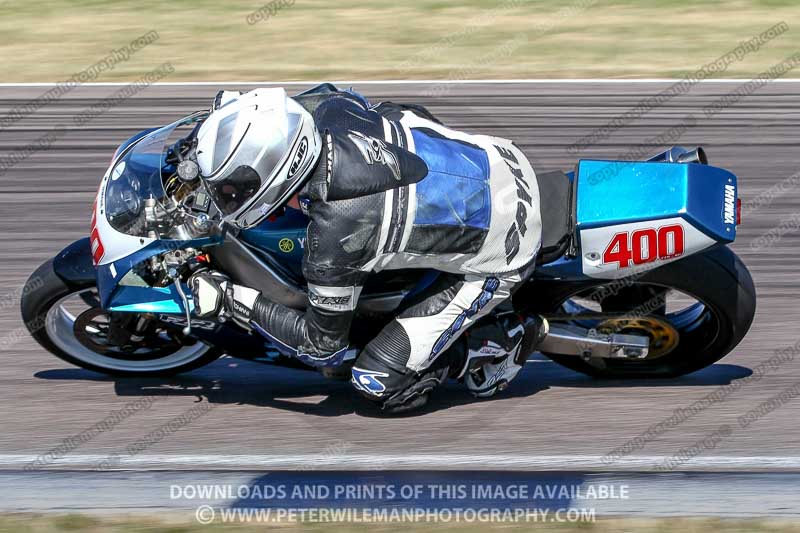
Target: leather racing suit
396,189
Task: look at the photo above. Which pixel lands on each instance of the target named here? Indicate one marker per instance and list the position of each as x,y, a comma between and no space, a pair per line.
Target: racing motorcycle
634,277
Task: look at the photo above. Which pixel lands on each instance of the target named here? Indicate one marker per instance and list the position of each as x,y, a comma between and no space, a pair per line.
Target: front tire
46,307
717,279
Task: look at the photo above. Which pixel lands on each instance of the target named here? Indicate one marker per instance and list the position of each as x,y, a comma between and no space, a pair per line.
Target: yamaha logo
729,205
286,245
299,157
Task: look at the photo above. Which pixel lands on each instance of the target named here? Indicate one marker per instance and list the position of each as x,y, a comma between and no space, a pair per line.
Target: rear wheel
68,321
694,311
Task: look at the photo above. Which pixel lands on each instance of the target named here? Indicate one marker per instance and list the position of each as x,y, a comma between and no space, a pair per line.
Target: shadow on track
232,381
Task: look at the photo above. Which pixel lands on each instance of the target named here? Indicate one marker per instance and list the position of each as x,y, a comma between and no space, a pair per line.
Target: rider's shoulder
326,100
394,111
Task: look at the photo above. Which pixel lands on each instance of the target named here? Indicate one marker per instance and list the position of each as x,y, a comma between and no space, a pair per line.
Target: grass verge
19,523
50,40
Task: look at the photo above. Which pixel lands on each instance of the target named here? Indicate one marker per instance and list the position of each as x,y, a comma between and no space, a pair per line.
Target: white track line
399,462
566,81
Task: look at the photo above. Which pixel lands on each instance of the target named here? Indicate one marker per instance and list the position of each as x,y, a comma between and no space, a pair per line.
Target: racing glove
215,295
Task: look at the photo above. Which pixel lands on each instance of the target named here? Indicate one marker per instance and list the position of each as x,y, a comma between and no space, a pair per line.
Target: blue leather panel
456,190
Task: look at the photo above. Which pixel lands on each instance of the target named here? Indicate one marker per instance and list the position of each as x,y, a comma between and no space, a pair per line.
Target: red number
97,246
639,245
618,251
665,251
645,246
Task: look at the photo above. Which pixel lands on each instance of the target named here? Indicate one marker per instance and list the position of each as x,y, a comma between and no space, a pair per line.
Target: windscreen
136,183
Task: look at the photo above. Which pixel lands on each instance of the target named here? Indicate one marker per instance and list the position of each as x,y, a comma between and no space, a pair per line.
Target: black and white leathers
394,188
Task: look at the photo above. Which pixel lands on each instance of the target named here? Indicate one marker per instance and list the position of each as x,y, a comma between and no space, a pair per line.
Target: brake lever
188,329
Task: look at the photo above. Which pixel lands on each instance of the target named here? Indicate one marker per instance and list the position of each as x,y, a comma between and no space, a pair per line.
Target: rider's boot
497,348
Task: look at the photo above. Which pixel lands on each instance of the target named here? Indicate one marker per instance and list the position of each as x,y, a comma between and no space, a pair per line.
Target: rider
385,186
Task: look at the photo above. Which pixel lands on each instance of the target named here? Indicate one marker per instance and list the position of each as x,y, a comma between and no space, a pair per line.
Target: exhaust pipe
698,155
679,154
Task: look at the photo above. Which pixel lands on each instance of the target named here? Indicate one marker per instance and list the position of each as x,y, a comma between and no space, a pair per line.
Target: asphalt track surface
548,416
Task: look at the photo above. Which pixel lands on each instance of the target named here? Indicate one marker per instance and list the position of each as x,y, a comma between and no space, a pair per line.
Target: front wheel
67,320
694,311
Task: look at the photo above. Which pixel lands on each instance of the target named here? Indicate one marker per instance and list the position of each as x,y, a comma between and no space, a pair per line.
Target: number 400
645,245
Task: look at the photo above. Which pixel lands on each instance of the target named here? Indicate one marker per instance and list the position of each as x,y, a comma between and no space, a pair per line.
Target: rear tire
716,277
45,289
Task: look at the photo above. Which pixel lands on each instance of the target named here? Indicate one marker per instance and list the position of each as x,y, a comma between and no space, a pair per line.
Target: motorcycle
634,278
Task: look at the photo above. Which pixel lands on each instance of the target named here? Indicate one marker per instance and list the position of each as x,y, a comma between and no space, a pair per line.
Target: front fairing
123,233
119,291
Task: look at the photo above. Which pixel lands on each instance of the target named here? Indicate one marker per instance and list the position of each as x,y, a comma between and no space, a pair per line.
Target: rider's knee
387,381
380,370
377,379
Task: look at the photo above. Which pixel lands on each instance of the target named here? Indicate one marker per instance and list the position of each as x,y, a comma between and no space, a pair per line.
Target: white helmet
255,152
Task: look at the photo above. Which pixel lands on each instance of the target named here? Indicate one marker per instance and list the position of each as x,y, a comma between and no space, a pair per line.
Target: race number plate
614,251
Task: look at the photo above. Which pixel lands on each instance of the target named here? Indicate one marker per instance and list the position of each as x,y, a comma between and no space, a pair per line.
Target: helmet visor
231,193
